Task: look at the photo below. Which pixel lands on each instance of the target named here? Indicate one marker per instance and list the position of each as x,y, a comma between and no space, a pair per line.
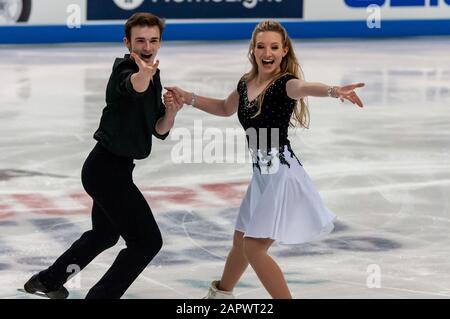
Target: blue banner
195,9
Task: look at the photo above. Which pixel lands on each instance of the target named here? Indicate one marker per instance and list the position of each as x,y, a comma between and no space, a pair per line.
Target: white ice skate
215,293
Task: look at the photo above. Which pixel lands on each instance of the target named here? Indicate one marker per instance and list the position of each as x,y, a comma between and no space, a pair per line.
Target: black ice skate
35,286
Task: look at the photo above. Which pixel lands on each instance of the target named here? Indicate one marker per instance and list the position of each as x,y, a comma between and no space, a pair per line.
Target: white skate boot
215,293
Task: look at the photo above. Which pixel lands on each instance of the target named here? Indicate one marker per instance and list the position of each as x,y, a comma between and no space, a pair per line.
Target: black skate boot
34,285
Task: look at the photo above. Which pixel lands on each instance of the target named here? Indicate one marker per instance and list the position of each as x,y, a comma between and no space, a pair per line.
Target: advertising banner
195,9
55,21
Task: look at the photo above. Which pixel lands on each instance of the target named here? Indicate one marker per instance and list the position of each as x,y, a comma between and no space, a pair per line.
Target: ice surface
384,169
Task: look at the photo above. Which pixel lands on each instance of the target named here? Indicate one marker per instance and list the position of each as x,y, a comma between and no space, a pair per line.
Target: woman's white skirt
282,202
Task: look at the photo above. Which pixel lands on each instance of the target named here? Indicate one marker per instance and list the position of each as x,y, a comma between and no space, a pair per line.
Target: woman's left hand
347,92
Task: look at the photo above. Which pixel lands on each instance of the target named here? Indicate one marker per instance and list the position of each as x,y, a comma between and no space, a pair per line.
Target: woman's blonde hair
289,65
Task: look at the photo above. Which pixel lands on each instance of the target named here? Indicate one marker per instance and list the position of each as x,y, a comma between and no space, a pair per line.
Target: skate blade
37,293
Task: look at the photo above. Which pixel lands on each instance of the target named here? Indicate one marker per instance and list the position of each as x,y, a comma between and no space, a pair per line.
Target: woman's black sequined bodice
269,129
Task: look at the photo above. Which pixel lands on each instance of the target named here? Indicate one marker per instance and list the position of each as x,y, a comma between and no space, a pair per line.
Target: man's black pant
119,209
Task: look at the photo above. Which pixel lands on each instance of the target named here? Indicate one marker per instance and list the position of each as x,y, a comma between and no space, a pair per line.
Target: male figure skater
134,112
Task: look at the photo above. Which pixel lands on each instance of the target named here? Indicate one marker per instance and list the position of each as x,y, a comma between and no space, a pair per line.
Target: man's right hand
141,80
145,67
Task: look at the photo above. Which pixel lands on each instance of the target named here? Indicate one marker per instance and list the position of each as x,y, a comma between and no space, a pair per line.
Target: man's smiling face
145,41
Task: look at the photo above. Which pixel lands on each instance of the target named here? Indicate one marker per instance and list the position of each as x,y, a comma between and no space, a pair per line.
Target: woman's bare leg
235,265
266,268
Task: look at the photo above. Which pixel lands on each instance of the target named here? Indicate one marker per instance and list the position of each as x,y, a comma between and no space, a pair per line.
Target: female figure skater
281,203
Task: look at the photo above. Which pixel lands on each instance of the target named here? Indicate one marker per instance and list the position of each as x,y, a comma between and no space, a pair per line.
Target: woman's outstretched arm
297,89
226,107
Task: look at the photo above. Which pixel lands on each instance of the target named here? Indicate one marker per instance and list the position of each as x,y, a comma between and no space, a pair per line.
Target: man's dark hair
143,19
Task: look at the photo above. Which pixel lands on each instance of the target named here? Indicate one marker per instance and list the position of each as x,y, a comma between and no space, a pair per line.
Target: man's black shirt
129,118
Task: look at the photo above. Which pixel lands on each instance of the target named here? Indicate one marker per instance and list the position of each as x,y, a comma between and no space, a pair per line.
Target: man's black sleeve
123,85
160,113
